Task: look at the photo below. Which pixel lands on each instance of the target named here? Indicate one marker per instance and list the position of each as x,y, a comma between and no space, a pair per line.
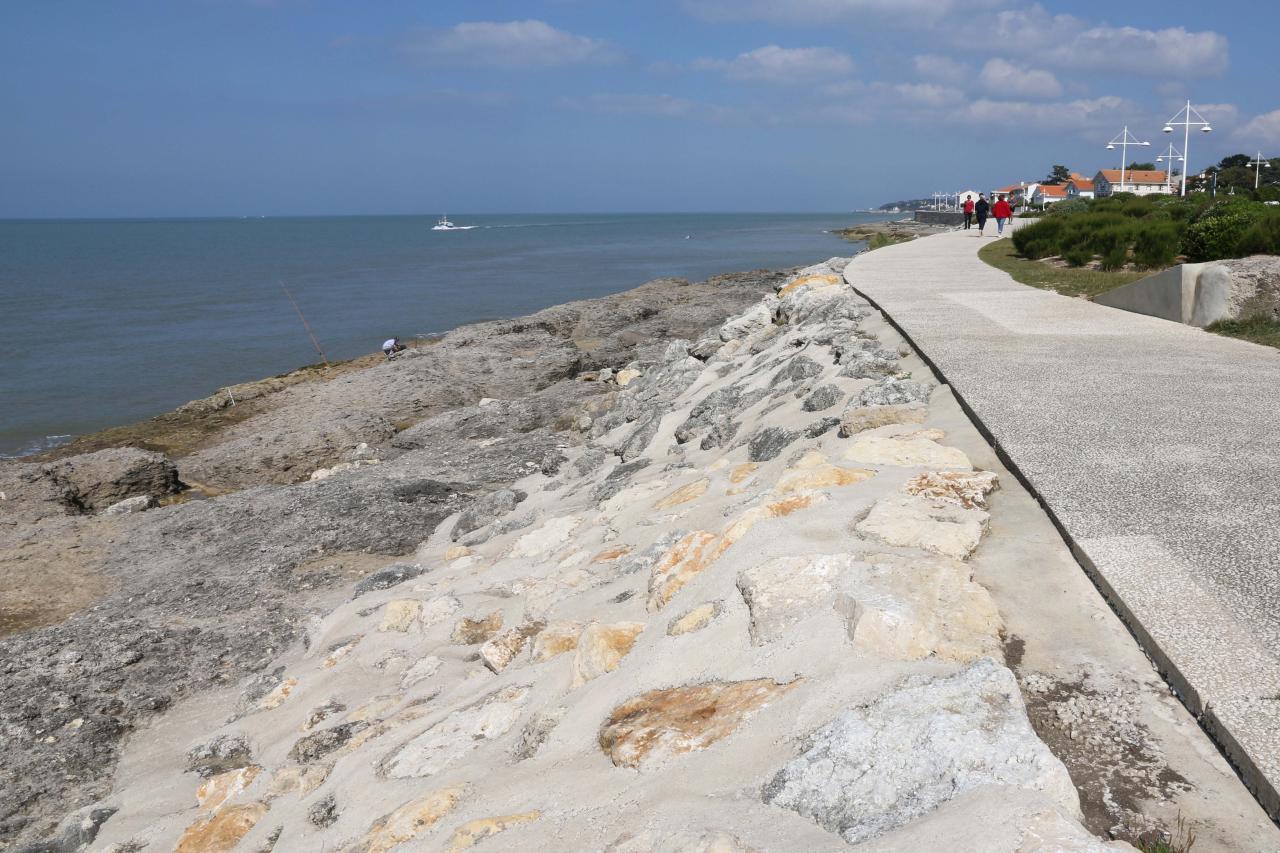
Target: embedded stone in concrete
767,442
906,451
221,831
471,631
694,619
601,648
964,488
298,779
421,670
216,790
691,841
822,398
549,536
499,651
660,724
856,419
684,561
934,525
822,476
472,832
554,640
463,730
400,615
409,821
684,494
891,391
877,767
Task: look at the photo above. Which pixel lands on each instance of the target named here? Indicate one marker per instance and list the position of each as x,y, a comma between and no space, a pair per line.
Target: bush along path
780,596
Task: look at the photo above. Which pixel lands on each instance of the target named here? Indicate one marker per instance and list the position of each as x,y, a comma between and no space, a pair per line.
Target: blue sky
273,107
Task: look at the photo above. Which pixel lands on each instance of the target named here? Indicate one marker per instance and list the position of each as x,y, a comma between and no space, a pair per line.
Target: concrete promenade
1154,446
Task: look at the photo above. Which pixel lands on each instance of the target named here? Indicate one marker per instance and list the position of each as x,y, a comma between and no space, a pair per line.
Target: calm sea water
107,322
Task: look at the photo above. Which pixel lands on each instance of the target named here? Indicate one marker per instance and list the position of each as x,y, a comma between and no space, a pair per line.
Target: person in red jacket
968,212
1001,211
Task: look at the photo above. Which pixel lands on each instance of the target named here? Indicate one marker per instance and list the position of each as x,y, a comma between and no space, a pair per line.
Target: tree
1059,175
1142,167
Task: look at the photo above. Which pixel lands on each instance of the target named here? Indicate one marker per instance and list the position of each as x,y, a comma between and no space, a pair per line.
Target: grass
1181,840
879,241
1259,329
1068,281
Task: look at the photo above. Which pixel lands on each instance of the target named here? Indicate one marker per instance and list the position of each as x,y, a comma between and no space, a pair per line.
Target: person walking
982,210
968,212
1002,212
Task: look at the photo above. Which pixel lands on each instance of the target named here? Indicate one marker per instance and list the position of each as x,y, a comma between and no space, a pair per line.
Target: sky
315,107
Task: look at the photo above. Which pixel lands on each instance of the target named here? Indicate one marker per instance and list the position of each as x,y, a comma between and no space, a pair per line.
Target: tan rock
863,418
339,652
498,652
626,376
934,525
276,697
820,477
775,509
454,552
654,726
438,610
601,649
964,488
742,472
462,731
216,790
684,494
466,836
811,281
551,535
682,563
221,831
300,779
409,821
609,555
469,632
907,452
400,615
695,619
554,640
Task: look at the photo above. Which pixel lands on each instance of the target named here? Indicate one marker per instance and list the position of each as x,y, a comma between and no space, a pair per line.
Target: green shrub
1262,237
1112,242
1069,206
1219,229
1155,244
1039,240
1116,257
1077,255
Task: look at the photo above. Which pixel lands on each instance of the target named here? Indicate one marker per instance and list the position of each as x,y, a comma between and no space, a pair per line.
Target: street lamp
1189,118
1258,165
1173,155
1124,140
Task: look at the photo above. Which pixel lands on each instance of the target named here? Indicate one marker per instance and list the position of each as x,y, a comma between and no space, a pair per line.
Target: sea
107,322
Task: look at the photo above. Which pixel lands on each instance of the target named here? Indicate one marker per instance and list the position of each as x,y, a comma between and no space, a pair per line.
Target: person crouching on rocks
391,346
982,210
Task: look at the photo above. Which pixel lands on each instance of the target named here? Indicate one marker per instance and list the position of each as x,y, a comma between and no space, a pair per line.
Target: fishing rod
305,324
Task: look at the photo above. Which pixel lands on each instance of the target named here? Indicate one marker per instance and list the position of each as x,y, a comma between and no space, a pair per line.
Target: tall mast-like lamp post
1258,165
1173,155
1124,140
1187,118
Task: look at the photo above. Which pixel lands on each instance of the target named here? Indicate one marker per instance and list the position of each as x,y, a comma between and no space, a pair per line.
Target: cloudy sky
232,107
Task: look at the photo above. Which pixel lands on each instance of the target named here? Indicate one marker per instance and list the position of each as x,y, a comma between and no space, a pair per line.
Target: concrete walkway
1155,447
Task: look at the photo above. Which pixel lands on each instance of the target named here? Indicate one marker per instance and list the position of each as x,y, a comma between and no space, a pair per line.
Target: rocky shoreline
695,567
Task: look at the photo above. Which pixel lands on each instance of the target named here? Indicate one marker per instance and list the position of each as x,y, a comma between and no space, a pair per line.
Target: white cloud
781,64
927,94
511,44
1086,116
818,11
935,67
1260,130
1003,77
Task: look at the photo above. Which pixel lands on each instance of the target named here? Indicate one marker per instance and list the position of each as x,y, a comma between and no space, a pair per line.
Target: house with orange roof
1047,194
1136,181
1079,186
1015,193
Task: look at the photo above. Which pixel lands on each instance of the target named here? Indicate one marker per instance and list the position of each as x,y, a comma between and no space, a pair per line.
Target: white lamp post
1258,165
1124,140
1173,155
1189,118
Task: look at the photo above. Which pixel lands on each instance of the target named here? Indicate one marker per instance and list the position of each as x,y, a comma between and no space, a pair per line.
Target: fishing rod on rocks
305,324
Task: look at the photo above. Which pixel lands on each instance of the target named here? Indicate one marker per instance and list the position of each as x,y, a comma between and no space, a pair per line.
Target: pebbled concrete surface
1154,445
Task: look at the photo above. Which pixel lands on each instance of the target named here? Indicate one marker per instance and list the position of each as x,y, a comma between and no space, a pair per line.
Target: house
1047,194
1079,186
1138,182
1013,193
963,194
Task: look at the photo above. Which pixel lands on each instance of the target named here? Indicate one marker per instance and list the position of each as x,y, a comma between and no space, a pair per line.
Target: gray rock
536,732
324,812
485,511
798,369
822,397
821,427
619,478
642,562
868,365
222,753
319,744
128,506
890,391
388,577
591,459
768,442
635,444
74,834
877,767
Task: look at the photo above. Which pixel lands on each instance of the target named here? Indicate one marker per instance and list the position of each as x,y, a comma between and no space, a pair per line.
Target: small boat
444,224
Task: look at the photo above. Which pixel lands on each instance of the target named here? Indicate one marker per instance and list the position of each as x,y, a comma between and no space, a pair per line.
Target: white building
1138,182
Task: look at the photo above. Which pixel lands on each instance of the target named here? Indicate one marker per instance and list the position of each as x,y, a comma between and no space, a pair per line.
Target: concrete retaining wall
1178,294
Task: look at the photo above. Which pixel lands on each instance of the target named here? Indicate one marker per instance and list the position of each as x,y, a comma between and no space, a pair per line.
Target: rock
470,833
681,841
868,364
684,494
221,831
386,578
486,510
767,442
821,398
937,526
635,444
755,318
449,740
810,281
781,592
217,790
964,488
408,821
498,652
906,451
798,369
626,376
880,766
821,427
605,374
683,562
456,552
601,648
277,696
591,459
99,480
618,480
820,476
655,726
859,418
75,833
795,502
742,472
319,744
400,615
694,619
469,632
322,712
549,536
421,670
222,753
297,779
536,732
437,610
1238,289
894,392
554,640
128,506
323,813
